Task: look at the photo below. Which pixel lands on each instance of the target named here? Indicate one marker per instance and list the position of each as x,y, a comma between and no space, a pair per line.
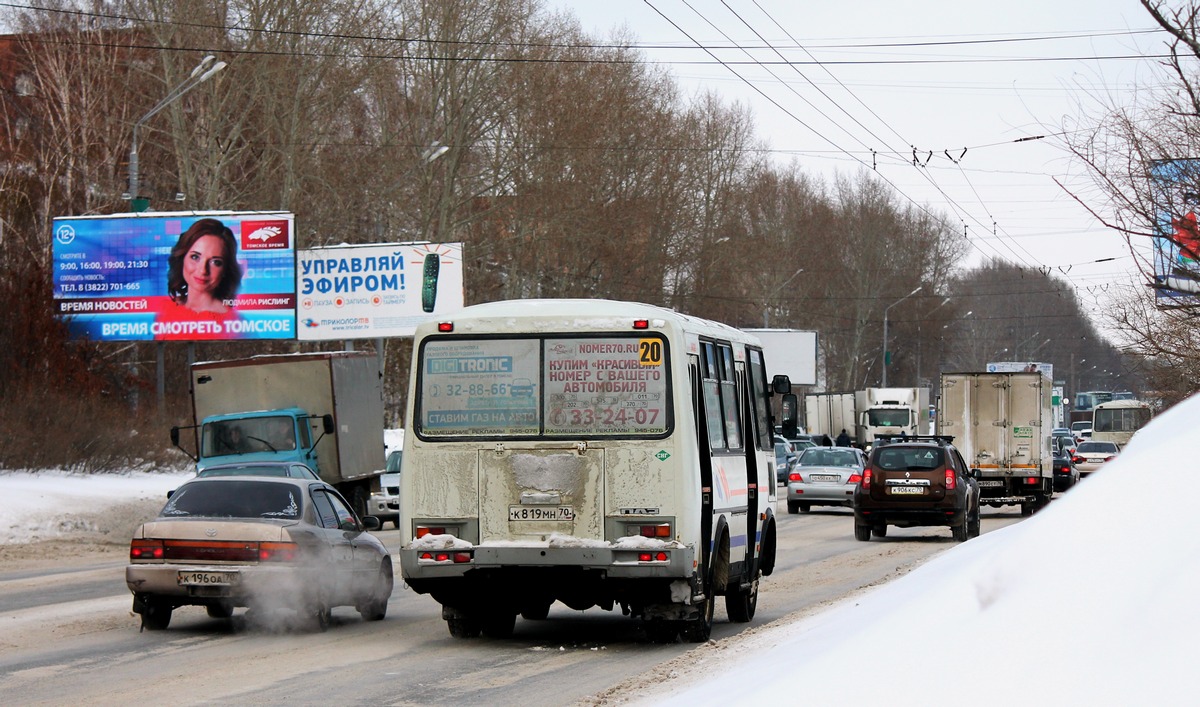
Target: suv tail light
866,478
951,482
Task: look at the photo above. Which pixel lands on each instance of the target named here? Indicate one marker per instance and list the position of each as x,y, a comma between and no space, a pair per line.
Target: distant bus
593,453
1118,420
1086,402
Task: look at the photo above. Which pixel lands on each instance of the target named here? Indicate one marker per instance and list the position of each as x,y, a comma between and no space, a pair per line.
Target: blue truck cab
266,435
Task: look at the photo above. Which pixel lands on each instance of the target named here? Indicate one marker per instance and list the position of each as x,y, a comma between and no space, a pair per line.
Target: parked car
384,504
1065,473
922,481
1090,456
266,542
294,470
824,476
784,456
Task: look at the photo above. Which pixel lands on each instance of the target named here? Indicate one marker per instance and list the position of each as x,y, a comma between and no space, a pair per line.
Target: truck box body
1001,424
302,387
829,413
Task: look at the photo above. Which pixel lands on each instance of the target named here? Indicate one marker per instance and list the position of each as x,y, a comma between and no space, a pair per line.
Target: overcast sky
966,75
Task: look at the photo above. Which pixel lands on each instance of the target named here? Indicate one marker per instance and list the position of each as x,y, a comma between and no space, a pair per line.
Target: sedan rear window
238,499
1094,447
818,456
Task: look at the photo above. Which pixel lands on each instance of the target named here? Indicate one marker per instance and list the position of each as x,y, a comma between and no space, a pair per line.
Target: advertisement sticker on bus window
606,386
479,388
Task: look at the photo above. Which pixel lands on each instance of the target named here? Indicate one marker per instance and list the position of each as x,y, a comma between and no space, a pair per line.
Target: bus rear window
610,386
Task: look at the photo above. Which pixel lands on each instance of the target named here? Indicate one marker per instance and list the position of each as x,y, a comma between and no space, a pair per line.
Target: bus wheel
499,624
463,626
740,603
698,630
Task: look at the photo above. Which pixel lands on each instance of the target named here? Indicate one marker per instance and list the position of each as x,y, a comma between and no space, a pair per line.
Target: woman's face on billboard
204,266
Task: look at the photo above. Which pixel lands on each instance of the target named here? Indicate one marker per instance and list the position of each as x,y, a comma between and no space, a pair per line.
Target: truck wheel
358,499
156,615
741,603
1026,509
862,532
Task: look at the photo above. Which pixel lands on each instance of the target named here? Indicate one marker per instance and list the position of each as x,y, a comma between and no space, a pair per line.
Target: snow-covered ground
1092,601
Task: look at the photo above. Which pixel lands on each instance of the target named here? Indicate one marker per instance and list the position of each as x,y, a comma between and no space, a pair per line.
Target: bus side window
729,399
758,400
711,385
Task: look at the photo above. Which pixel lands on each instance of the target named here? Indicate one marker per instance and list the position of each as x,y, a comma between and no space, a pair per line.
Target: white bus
590,452
1117,420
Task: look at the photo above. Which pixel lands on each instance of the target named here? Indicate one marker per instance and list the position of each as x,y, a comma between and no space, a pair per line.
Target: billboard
1176,185
374,291
182,276
1046,369
790,351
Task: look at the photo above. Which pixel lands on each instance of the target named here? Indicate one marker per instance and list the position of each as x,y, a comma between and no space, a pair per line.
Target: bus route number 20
650,352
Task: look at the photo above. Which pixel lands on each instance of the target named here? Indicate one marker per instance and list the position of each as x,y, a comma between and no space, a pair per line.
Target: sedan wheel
375,609
156,616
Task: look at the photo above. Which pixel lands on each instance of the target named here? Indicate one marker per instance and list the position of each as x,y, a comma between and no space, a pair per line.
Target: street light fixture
203,72
885,332
778,291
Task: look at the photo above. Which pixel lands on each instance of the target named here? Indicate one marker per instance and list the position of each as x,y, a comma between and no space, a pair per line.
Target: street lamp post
885,332
203,72
778,291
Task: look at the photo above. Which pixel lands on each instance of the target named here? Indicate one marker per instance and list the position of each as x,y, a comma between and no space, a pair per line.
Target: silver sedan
824,476
258,541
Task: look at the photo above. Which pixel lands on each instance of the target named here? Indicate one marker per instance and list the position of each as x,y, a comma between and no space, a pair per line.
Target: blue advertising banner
1177,233
194,276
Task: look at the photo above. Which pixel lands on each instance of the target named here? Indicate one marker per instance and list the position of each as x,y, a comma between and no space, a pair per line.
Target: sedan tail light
795,476
854,479
146,549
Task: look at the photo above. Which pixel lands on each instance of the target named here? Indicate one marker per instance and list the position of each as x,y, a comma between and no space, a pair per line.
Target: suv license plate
549,513
207,579
913,490
823,477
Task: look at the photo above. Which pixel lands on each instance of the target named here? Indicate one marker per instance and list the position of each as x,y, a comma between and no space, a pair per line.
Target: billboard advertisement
1046,369
1177,233
375,291
183,276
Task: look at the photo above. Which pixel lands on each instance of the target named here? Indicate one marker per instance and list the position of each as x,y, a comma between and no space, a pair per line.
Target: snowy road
68,635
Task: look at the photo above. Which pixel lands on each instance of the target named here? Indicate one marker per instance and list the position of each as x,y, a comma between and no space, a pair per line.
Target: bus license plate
549,513
914,490
207,579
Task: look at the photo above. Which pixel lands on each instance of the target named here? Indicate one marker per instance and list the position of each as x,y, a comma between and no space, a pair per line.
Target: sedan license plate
823,477
207,579
548,513
912,490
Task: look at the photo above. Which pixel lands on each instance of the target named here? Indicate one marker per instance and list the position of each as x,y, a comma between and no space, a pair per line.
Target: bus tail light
659,556
423,530
445,327
659,530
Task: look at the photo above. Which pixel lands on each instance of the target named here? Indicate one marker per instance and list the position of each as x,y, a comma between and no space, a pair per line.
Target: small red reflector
641,323
445,327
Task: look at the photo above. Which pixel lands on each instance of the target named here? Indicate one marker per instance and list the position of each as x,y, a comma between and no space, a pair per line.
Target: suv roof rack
942,440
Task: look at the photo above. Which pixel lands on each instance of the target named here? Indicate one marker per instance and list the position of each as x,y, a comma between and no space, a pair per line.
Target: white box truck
322,409
1001,423
829,414
891,412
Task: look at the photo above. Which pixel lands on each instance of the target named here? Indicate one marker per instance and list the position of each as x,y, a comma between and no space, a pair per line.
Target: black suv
916,481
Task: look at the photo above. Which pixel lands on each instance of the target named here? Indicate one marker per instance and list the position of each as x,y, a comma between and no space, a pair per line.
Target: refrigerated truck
1001,423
